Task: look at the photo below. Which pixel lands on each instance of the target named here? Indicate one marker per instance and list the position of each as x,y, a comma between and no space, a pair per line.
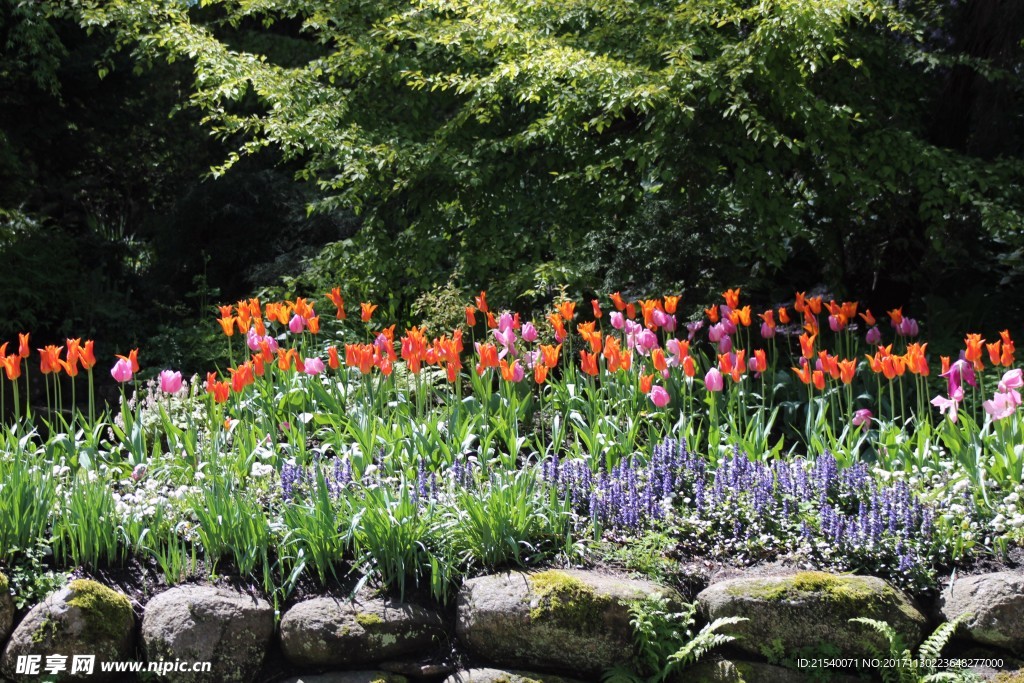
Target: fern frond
620,674
934,643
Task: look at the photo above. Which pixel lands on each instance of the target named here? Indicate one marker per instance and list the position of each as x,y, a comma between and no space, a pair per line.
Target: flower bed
334,449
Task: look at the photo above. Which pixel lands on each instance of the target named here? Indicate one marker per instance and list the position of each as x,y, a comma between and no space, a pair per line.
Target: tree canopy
500,135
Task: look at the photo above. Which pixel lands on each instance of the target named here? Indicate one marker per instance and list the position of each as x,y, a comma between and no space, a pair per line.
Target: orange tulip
88,356
896,316
658,359
671,303
49,358
1006,359
814,304
869,319
567,309
540,373
631,311
645,383
760,361
712,314
366,311
589,363
973,352
488,357
800,304
12,366
508,370
617,301
339,303
783,316
995,352
819,380
549,354
133,358
481,302
74,347
804,373
689,367
807,345
847,369
596,305
23,348
732,297
470,316
225,310
647,308
228,325
313,324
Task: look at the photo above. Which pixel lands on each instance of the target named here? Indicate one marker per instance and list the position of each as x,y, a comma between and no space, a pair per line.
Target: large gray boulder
328,632
83,618
228,628
6,609
812,608
569,620
500,676
350,677
995,603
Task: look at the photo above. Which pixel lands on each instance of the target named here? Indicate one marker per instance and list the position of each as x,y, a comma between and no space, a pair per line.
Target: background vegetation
871,148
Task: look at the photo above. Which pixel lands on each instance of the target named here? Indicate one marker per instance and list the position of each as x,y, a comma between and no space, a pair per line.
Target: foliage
919,669
667,641
796,123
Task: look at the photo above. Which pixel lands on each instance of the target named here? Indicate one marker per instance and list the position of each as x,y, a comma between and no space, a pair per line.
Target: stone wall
554,626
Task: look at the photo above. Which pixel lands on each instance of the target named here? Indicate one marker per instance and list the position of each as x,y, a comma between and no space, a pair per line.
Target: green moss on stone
567,601
841,590
107,612
367,619
1009,677
5,586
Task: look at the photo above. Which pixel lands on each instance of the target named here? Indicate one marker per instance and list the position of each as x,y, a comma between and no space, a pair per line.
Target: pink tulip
959,372
907,327
874,336
313,366
729,326
833,323
714,380
862,418
529,332
296,324
659,396
518,373
138,472
252,340
716,332
725,345
170,382
693,328
1003,404
618,320
767,331
122,371
506,322
659,316
1013,379
949,405
647,340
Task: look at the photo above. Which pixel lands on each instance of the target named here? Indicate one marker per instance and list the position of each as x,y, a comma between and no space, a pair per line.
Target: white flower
260,469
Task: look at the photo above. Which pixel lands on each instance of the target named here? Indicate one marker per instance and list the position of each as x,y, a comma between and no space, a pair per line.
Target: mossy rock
995,603
812,609
500,676
565,620
350,677
6,609
83,618
228,628
326,632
